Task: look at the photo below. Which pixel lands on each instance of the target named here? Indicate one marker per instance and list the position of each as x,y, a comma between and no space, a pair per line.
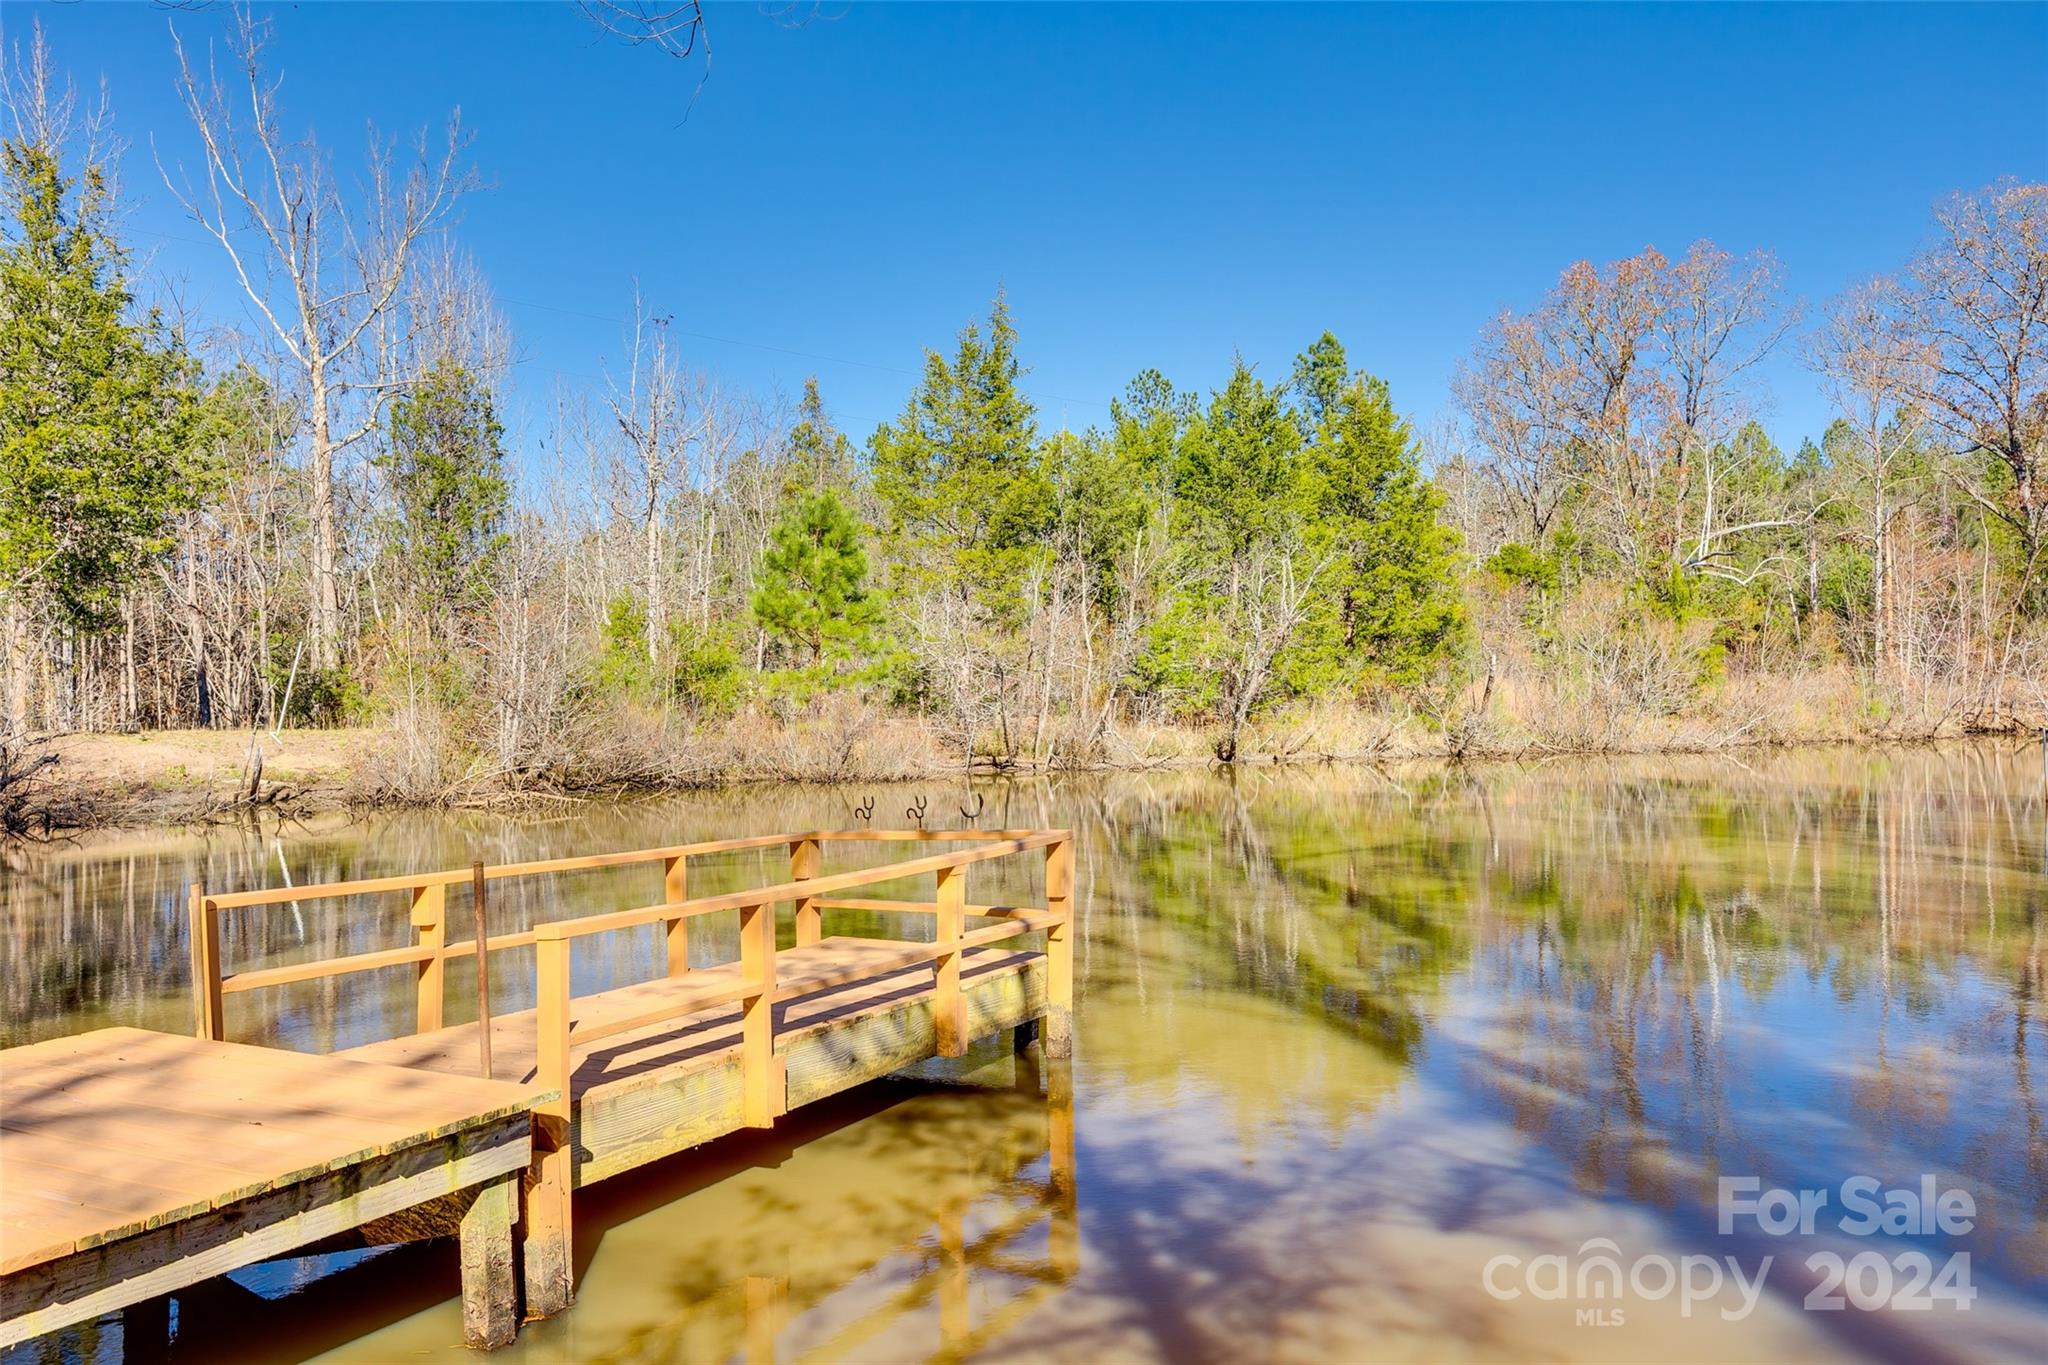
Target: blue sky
1154,185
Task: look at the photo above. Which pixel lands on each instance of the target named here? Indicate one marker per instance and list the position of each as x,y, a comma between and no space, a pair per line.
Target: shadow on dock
736,1288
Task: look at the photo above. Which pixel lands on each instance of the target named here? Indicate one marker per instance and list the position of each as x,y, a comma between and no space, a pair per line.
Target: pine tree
1396,589
959,475
811,588
1241,476
99,410
820,456
446,464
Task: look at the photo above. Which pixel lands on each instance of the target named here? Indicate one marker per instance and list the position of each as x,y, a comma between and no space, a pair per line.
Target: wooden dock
135,1163
597,1084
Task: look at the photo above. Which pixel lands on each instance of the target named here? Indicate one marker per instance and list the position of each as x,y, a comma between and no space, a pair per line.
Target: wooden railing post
804,861
764,1094
949,1006
430,918
480,903
550,1272
1059,950
205,930
675,887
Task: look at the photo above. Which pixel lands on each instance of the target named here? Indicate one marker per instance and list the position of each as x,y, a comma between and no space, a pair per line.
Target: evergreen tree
959,474
1240,478
446,464
1395,586
1320,376
99,412
820,456
811,588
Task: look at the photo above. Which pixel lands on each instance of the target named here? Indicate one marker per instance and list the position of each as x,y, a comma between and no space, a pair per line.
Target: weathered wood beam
490,1289
545,1240
171,1256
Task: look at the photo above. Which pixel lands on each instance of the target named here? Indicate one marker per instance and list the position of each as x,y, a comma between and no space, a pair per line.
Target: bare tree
655,418
324,275
1720,318
1979,297
1872,368
1618,395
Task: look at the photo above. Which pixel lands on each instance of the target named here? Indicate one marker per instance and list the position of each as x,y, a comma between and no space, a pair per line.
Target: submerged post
1059,949
483,969
205,930
803,865
550,1272
430,918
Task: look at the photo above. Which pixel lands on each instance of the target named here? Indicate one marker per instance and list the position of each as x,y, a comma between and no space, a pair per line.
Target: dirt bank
170,775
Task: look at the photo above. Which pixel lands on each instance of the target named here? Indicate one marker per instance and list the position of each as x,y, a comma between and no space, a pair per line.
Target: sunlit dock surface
580,1087
135,1163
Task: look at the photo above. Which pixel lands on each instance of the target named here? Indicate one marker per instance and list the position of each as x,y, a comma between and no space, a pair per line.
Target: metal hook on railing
866,810
980,804
915,811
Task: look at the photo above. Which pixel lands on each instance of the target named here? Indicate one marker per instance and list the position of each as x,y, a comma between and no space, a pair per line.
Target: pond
1370,1064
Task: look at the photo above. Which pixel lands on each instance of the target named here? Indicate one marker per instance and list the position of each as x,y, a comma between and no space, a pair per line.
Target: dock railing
809,889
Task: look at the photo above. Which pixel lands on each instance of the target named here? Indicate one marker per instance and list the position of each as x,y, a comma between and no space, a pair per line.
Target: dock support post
1059,950
545,1246
675,887
803,865
490,1293
765,1094
949,1006
205,932
430,918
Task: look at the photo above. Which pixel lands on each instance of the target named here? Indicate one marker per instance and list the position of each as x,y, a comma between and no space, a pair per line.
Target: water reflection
1344,1036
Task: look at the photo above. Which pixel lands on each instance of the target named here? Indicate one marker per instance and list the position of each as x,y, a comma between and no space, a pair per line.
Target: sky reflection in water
1344,1036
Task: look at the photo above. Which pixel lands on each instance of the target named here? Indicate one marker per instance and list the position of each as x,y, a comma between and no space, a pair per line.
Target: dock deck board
112,1133
831,980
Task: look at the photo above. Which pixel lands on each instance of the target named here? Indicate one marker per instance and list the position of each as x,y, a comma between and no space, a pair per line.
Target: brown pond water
1353,1046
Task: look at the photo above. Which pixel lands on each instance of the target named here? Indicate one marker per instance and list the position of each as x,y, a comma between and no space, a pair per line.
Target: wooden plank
253,1084
95,1197
133,1127
789,891
364,962
929,907
334,966
28,1239
810,980
86,1283
235,900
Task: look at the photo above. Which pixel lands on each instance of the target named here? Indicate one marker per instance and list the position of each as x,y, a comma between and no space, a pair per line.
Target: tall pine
99,410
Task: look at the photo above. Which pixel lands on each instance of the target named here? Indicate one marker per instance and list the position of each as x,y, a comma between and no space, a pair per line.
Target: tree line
318,514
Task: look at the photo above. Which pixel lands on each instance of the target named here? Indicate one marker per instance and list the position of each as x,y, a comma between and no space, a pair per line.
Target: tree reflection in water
1344,1035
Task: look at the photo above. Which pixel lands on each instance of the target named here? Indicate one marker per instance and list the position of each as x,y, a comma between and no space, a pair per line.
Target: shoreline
114,782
